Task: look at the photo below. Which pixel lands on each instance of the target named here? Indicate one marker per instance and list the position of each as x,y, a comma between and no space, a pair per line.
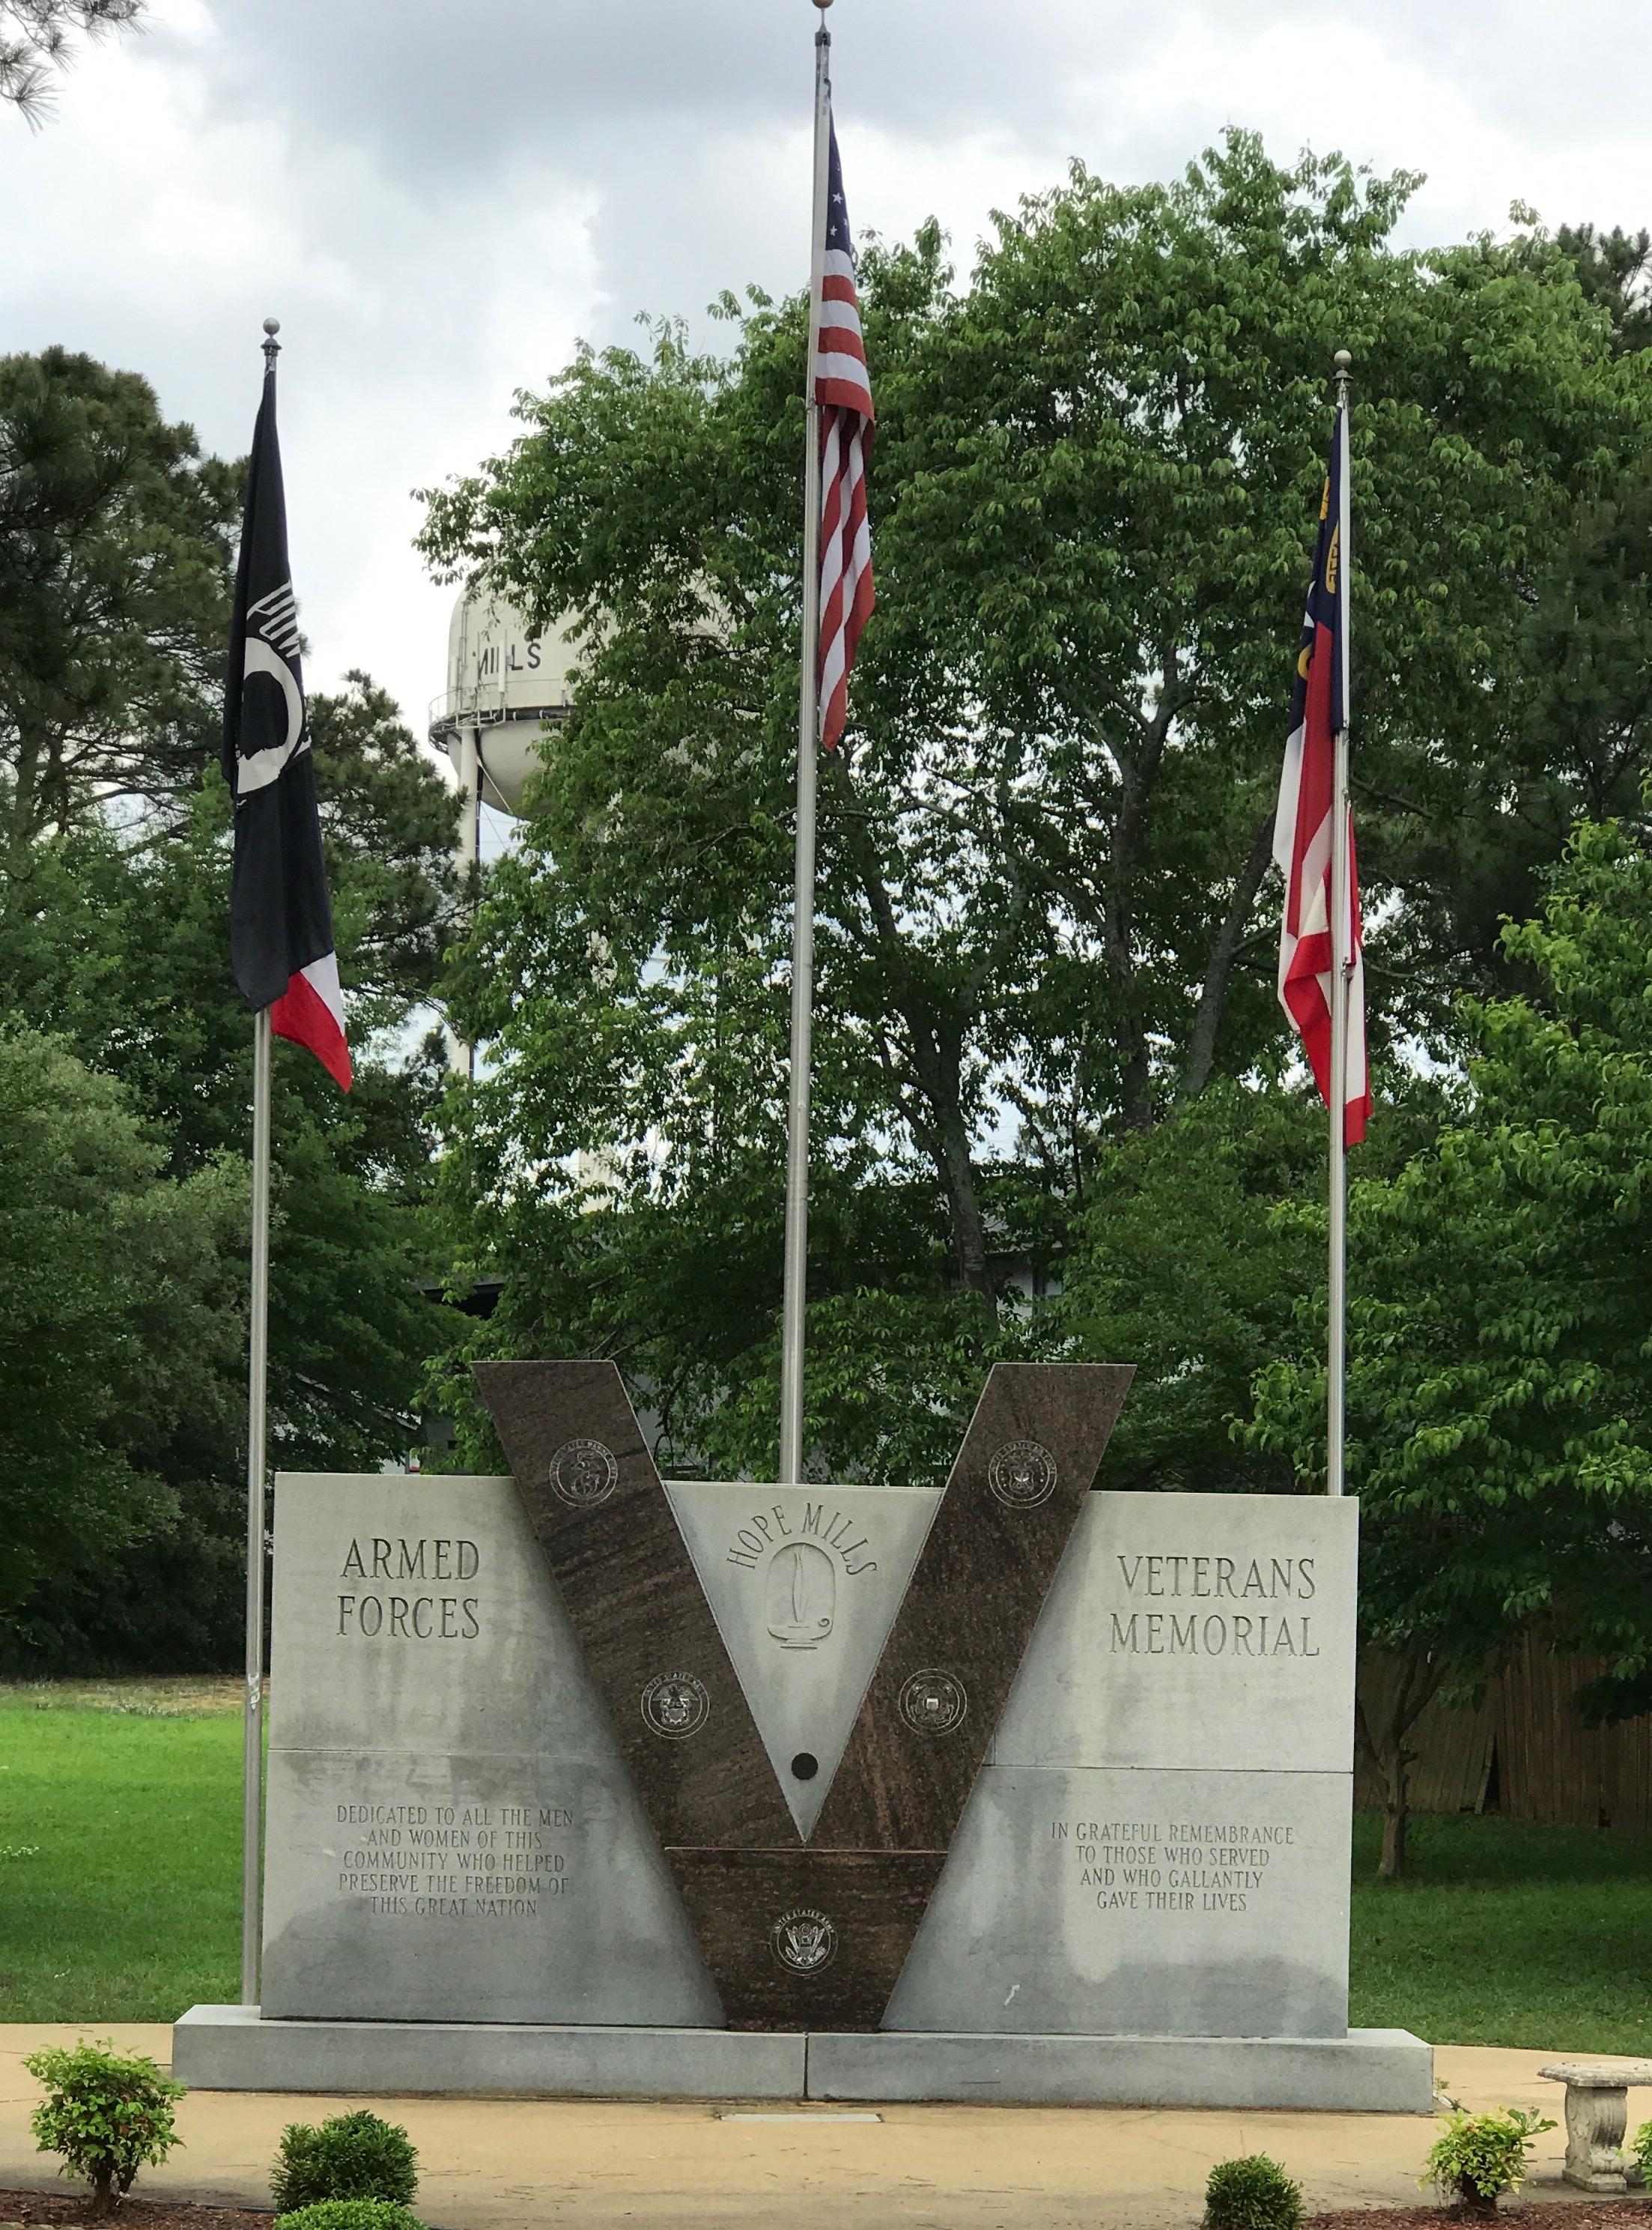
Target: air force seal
1022,1474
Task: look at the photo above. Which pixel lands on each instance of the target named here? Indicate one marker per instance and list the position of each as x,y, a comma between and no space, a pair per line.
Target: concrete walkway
514,2164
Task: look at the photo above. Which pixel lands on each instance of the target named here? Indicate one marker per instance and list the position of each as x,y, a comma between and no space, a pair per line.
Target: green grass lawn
120,1877
120,1849
1506,1933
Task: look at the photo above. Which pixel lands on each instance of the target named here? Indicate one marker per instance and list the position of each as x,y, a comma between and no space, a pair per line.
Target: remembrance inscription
1136,1865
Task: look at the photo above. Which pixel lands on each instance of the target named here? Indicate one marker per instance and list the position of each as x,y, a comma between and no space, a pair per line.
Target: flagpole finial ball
823,5
272,326
1342,359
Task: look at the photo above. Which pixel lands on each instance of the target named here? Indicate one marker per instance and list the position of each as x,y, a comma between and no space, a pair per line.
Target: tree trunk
1396,1815
1212,997
1381,1727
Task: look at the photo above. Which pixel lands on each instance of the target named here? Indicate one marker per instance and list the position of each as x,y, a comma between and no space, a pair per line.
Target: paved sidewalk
516,2164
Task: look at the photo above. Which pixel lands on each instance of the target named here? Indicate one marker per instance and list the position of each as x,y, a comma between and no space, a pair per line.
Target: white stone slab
1130,1903
1194,1630
1372,2071
233,2048
416,1612
452,1833
804,1584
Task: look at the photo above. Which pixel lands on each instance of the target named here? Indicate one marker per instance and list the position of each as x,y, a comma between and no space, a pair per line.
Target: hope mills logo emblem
804,1942
675,1704
583,1472
1022,1474
934,1703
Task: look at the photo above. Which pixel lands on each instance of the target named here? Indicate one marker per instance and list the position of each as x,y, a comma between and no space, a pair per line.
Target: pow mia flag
280,918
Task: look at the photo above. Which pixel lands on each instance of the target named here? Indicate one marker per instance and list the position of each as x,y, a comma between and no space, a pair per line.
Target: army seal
1022,1474
934,1702
675,1704
583,1474
803,1941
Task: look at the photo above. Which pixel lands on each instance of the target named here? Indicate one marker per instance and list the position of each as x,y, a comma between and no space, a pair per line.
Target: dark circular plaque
675,1704
805,1766
934,1702
583,1474
1022,1474
803,1941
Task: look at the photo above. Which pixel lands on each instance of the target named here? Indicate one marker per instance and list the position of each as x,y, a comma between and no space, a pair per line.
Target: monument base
1377,2071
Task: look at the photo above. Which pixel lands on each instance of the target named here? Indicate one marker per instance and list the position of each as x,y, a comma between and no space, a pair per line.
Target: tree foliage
116,942
115,538
37,42
1041,926
1500,1374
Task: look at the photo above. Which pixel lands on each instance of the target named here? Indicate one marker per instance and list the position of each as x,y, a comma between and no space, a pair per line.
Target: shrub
1252,2194
107,2114
1641,2150
352,2156
1475,2156
350,2214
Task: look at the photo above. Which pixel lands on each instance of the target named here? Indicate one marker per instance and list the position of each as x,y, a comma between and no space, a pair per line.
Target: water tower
507,692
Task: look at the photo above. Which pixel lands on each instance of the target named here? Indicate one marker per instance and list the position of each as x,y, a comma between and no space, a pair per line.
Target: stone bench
1597,2115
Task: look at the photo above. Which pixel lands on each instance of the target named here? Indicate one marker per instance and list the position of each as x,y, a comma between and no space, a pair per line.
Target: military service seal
1022,1474
803,1941
675,1704
583,1474
934,1702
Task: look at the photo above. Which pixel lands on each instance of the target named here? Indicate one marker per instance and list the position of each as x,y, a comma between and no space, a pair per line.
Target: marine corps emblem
583,1474
934,1702
675,1704
1022,1474
804,1942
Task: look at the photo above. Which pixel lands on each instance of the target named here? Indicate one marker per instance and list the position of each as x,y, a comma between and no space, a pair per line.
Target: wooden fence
1525,1752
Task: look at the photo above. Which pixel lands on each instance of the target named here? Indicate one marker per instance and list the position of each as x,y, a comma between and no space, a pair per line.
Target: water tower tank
507,688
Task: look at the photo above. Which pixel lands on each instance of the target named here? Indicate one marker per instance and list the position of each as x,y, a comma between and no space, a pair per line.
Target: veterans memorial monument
585,1782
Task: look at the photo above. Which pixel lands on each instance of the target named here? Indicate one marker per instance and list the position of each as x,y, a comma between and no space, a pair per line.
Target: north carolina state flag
280,918
1302,824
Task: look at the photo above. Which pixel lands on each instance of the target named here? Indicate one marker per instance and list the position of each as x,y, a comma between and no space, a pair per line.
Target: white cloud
436,203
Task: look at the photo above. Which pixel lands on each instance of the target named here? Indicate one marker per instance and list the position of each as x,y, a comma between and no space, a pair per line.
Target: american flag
844,393
1302,824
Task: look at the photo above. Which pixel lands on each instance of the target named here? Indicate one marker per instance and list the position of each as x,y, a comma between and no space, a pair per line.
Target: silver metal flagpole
809,744
1341,972
252,1781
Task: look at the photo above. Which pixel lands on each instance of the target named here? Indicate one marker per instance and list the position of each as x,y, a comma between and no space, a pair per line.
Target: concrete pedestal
1368,2071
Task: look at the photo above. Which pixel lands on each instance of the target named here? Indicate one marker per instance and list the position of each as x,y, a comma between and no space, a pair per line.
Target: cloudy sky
437,201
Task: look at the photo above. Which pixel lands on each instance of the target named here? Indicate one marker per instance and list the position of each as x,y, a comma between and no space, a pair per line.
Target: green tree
35,42
1043,845
1500,1382
119,944
118,1328
115,540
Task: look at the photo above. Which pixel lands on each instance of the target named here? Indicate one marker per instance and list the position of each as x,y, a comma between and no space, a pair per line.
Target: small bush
1252,2194
1639,2150
350,2214
107,2114
352,2156
1476,2156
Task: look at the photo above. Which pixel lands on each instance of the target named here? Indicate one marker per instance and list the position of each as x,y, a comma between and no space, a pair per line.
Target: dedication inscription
452,1833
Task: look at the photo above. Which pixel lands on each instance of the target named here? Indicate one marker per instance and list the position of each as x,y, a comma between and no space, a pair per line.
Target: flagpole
252,1774
1341,972
808,728
253,1728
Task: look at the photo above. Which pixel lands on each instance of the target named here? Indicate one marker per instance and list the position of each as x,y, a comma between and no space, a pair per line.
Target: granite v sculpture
803,1926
